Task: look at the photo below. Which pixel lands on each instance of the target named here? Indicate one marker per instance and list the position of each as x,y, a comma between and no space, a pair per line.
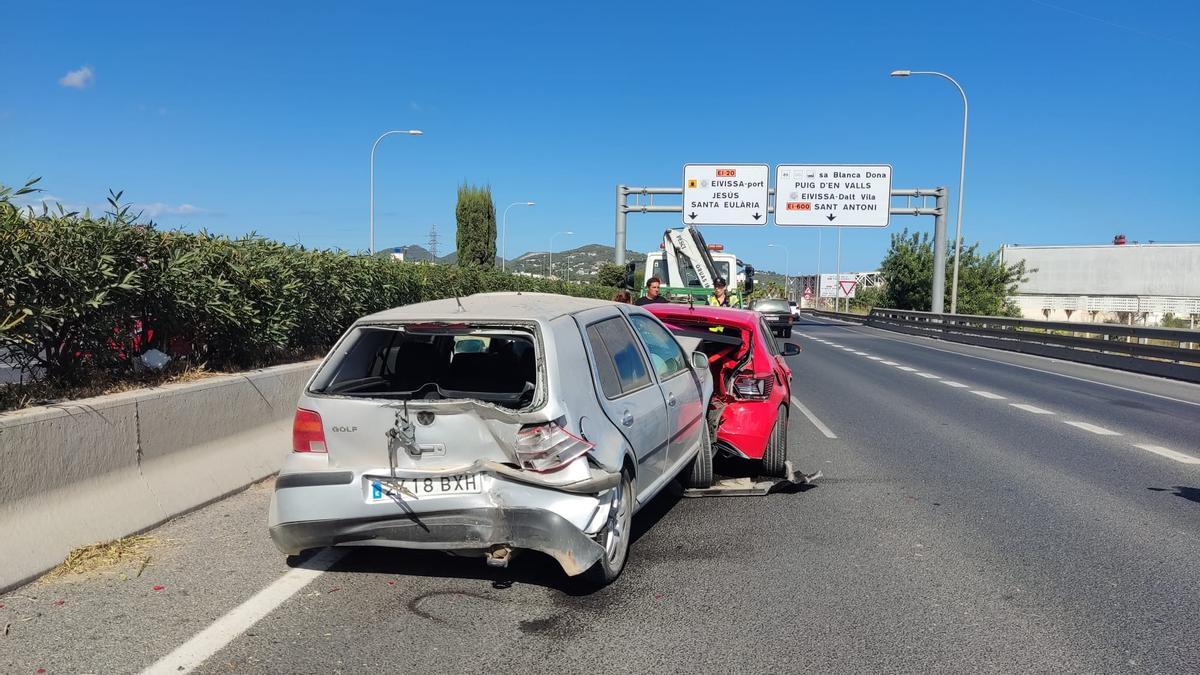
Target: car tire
700,472
616,551
775,458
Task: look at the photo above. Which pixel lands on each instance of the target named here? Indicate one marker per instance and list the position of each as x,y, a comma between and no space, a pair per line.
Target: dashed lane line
188,656
1099,431
987,394
907,369
1031,408
813,418
1168,453
956,385
929,376
852,328
889,363
875,358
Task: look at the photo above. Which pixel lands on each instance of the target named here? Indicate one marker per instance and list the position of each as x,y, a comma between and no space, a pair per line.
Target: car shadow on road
1189,493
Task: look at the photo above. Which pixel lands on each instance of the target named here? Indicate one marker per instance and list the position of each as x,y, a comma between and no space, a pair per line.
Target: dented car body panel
738,342
482,422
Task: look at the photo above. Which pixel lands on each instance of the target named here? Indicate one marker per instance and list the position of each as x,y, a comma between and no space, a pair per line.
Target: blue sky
240,118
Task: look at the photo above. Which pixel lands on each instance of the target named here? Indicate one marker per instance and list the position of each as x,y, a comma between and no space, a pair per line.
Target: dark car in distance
777,313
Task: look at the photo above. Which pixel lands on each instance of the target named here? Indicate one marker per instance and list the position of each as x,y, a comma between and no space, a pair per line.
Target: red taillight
547,447
307,433
750,388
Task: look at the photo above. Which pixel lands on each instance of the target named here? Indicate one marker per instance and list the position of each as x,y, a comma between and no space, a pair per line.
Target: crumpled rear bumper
457,529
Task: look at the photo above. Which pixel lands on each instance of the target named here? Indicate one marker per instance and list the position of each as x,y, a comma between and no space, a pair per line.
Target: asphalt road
1042,517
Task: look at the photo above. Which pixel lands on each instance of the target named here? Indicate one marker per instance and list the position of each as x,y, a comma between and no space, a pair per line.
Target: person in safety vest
721,297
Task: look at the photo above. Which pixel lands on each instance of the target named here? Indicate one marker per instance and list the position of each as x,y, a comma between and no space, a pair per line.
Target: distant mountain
412,253
582,262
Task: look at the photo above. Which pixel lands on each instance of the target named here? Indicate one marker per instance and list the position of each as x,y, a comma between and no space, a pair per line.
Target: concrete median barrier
98,469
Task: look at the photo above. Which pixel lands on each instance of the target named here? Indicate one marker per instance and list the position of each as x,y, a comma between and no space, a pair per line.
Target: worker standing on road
651,296
720,296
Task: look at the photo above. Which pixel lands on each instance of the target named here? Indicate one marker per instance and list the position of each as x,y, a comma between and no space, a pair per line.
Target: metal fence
1166,352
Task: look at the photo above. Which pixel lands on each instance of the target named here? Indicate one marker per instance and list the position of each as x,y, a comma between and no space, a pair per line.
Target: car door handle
627,419
671,400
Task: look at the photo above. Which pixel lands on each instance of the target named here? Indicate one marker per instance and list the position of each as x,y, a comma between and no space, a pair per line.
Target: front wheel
775,458
615,536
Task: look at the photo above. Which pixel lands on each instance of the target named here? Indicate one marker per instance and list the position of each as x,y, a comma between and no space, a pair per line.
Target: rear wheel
775,458
615,536
700,475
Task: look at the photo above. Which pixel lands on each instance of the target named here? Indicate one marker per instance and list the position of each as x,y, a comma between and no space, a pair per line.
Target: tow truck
688,266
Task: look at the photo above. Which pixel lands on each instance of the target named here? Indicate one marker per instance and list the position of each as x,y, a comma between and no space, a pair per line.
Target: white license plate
388,489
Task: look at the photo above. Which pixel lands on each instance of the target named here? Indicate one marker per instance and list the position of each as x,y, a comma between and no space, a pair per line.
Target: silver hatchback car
493,423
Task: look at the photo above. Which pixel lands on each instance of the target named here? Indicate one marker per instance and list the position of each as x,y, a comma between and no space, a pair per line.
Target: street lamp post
838,291
962,172
568,233
818,293
408,132
504,233
787,269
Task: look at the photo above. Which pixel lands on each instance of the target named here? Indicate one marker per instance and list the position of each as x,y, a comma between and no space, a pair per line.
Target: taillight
752,388
547,447
307,433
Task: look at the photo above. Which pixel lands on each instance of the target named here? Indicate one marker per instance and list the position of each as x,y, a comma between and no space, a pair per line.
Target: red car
752,383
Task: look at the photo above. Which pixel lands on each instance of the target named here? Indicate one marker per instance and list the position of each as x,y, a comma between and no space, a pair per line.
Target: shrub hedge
81,296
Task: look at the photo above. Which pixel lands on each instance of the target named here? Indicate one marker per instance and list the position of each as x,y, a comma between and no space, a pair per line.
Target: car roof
729,316
490,306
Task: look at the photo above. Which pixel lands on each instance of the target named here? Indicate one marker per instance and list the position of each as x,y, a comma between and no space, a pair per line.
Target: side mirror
700,361
749,280
790,349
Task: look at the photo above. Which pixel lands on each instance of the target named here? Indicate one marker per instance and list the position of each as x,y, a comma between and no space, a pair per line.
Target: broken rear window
431,362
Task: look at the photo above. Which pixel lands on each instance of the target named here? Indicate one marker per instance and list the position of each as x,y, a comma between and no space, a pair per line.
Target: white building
1127,282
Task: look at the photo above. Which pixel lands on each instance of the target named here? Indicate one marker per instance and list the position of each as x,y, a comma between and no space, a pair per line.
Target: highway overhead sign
833,195
725,194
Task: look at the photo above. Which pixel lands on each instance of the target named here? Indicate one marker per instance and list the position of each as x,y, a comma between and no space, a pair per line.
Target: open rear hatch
433,396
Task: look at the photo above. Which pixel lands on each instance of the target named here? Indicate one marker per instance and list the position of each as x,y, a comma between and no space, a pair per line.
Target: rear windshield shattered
434,362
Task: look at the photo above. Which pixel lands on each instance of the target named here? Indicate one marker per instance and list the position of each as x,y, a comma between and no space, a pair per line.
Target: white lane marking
1167,452
188,656
907,369
862,353
1100,431
929,376
875,358
813,418
890,363
951,383
845,349
987,394
875,333
1031,408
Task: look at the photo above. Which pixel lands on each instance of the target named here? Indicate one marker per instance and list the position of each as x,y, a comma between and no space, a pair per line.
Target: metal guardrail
1165,352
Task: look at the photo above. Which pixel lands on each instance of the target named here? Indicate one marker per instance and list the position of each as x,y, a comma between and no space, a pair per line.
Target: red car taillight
307,433
750,388
547,447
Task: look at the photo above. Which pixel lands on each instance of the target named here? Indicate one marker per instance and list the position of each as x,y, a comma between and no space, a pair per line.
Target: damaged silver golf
494,423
